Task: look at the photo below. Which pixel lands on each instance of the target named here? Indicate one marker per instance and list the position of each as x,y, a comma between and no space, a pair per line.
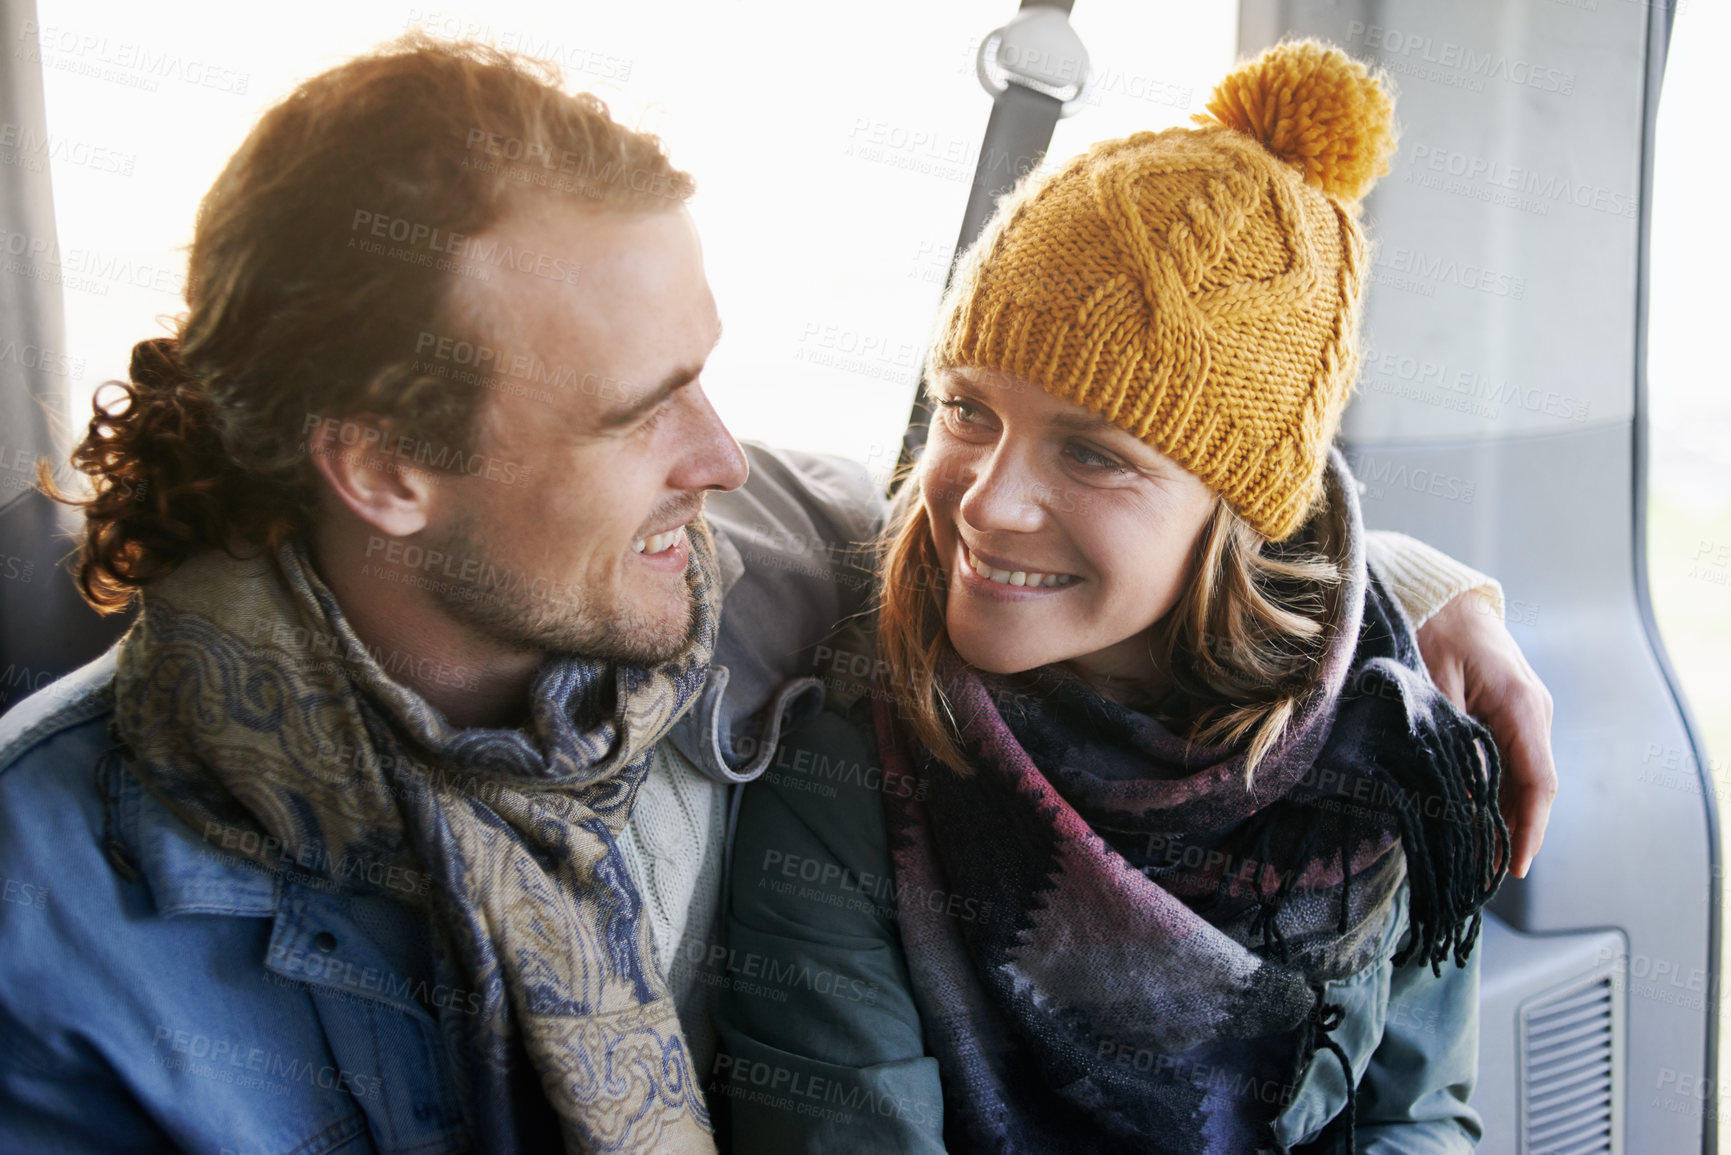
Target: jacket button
325,941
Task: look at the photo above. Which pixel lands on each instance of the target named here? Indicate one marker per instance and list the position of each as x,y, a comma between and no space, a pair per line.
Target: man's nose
709,458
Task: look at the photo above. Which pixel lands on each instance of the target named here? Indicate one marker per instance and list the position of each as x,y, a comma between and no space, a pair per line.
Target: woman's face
1063,537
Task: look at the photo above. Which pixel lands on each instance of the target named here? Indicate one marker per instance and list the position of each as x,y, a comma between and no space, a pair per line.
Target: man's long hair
319,287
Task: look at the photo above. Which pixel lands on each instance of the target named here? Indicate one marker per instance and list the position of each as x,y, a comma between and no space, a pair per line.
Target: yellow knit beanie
1197,287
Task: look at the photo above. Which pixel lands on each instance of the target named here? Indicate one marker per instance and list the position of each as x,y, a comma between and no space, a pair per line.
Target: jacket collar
188,873
315,939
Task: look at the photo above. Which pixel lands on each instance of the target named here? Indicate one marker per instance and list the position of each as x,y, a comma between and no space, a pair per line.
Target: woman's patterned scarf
247,703
1142,965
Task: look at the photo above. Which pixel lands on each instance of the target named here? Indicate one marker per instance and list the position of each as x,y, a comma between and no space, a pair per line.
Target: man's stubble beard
564,623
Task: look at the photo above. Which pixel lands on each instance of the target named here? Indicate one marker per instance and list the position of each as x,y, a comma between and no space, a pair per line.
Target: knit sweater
673,845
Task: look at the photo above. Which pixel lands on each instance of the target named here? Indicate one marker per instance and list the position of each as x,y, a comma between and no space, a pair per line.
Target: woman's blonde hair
1241,647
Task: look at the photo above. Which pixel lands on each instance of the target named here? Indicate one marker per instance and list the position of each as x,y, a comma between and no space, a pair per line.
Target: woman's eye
1094,459
960,410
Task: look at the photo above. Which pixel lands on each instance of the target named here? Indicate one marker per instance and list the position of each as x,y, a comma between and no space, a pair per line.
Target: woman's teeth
1017,577
658,543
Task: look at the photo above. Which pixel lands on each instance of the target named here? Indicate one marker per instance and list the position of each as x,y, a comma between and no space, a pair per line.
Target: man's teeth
658,543
1018,577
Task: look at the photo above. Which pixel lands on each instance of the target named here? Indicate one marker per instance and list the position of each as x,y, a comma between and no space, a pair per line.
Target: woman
1180,849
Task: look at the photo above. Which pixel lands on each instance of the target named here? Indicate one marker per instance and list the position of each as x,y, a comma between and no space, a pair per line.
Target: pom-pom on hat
1198,287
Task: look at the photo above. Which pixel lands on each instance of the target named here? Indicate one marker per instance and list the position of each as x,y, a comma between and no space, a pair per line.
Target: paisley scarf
235,715
1146,968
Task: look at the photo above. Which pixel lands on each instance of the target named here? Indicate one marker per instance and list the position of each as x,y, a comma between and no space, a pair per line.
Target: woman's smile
1007,575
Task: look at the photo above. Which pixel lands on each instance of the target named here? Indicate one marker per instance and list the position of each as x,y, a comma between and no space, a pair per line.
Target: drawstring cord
1317,1035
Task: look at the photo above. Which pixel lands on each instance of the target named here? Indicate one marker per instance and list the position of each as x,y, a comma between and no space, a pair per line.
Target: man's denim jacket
158,990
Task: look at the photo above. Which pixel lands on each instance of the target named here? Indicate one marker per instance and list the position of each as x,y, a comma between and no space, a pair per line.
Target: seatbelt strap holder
1039,50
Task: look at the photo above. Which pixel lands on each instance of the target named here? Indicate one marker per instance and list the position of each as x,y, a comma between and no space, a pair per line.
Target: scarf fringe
1458,858
1455,858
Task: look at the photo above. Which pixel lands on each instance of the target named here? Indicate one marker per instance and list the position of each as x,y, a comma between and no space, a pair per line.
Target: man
397,820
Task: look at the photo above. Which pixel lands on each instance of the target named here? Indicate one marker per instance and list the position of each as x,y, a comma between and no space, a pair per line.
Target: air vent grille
1569,1071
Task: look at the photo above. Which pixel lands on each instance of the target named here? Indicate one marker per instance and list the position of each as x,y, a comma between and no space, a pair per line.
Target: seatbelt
1036,70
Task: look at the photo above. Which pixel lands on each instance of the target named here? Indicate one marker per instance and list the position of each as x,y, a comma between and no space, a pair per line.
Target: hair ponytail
162,484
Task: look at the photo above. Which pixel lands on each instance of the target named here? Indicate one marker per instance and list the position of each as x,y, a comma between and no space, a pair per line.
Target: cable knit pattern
663,845
673,845
1200,288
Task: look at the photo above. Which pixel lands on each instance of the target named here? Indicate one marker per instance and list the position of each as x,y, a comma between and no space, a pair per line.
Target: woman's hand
1474,661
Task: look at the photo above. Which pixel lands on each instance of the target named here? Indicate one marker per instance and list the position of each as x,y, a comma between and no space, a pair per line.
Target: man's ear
353,455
